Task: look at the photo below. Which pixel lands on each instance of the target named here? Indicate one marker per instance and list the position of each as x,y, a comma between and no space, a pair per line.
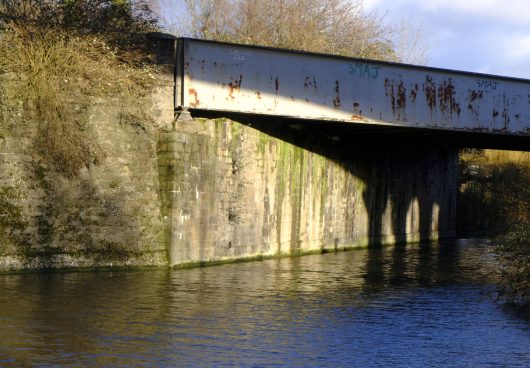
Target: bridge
390,100
333,152
305,153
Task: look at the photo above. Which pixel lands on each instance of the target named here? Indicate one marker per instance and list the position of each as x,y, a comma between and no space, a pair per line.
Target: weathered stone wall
230,191
109,215
214,190
184,192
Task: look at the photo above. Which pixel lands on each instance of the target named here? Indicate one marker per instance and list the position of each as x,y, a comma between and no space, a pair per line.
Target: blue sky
486,36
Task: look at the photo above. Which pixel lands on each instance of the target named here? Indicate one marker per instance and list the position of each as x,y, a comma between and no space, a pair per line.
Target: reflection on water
417,306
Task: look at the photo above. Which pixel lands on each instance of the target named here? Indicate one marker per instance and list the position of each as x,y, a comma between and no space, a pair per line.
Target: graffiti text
364,70
487,84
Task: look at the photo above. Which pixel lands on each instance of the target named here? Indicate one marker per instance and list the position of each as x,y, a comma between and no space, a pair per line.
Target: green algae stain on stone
12,224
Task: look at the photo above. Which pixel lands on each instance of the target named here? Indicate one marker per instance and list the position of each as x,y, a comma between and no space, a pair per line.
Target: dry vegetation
495,198
495,190
58,58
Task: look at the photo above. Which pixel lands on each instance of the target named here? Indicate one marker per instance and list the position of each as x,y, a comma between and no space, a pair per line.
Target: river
415,306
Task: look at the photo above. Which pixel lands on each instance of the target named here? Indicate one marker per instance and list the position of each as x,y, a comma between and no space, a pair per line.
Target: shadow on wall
408,184
106,216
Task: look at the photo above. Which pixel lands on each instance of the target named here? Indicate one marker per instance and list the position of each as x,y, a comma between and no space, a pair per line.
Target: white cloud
490,36
515,11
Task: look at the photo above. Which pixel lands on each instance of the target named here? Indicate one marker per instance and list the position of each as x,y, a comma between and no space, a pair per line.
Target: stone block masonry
107,216
230,191
199,191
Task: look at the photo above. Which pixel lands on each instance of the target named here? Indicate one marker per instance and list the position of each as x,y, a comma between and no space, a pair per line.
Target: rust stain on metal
413,95
401,96
473,95
310,81
336,100
446,93
505,119
389,92
193,92
430,92
398,97
359,118
258,94
472,109
505,114
234,85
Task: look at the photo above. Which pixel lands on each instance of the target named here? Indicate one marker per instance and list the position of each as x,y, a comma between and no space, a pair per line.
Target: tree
340,27
119,21
409,43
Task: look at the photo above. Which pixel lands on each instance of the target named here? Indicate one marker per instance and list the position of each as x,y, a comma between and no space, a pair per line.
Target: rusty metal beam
230,78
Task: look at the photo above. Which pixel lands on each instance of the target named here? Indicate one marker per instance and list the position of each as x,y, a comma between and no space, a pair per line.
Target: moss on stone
12,223
221,120
263,141
107,251
262,257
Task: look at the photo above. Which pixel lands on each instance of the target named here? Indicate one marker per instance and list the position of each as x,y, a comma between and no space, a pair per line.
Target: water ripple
395,307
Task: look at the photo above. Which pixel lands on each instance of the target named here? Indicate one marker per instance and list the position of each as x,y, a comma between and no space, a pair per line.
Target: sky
485,36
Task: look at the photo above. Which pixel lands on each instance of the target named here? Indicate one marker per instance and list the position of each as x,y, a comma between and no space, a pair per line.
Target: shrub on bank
493,192
495,199
514,252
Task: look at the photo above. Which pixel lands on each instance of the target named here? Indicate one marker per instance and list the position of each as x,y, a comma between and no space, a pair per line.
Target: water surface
428,306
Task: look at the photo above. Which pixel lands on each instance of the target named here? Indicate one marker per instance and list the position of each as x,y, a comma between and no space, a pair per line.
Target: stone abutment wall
188,192
231,191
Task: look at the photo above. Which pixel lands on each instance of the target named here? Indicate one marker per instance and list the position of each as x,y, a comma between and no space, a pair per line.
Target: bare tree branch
331,26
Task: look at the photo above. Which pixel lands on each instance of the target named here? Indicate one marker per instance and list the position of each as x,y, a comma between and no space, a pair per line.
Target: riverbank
495,199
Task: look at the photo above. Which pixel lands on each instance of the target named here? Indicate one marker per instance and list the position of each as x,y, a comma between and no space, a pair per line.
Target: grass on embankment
59,58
